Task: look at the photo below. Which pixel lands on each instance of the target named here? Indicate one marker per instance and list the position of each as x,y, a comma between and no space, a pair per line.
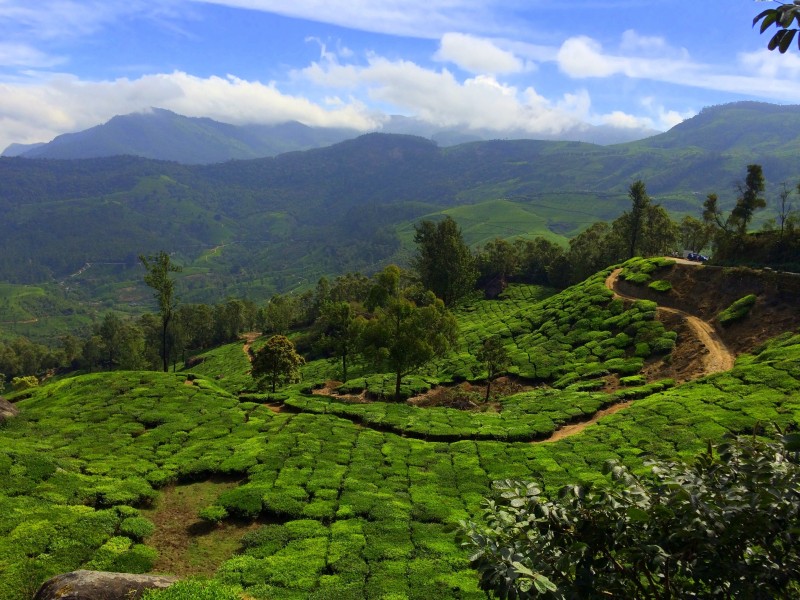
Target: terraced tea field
334,499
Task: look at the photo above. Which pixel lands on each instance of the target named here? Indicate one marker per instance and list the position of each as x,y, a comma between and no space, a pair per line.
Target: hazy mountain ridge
161,134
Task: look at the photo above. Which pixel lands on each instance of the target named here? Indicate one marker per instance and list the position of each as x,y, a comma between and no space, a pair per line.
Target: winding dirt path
719,357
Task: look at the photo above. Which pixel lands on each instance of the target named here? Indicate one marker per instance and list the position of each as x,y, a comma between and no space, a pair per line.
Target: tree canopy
277,362
444,262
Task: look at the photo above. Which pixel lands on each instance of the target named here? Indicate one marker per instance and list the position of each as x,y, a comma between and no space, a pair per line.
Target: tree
645,230
158,269
405,336
340,331
694,234
494,355
750,198
782,18
444,262
724,526
277,362
640,202
729,239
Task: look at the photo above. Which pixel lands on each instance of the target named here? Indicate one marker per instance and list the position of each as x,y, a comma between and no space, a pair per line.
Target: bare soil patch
187,545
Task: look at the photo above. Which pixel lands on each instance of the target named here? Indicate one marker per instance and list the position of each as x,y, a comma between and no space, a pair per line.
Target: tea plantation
357,500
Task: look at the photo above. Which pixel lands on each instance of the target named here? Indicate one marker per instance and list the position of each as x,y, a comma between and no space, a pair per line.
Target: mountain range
254,227
164,135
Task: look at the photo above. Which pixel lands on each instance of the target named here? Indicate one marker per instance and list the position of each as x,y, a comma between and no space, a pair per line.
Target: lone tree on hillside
495,356
444,262
405,335
158,269
277,362
732,229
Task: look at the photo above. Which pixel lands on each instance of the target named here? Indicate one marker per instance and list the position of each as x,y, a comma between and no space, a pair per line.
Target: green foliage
720,527
782,18
24,383
195,589
660,285
444,262
137,528
738,310
276,362
158,269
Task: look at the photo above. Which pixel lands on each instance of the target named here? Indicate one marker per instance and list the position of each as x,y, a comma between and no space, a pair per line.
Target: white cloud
582,57
21,55
413,18
38,111
440,98
476,55
763,63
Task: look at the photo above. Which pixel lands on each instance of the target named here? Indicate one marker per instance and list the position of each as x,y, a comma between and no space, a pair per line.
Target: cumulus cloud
438,97
476,55
38,111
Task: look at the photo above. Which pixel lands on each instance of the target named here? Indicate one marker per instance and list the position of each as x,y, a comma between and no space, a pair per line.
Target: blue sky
538,66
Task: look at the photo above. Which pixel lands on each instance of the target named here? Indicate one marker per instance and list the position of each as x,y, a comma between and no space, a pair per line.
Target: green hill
254,228
320,497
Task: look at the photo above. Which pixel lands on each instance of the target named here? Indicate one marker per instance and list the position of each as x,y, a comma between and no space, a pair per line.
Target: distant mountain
748,128
164,135
253,227
20,149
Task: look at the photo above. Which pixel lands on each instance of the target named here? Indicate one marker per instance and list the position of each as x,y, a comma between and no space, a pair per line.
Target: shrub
24,383
660,285
195,589
738,310
213,513
722,526
137,528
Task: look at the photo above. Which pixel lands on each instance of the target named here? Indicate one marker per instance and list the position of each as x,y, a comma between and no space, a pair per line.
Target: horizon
69,65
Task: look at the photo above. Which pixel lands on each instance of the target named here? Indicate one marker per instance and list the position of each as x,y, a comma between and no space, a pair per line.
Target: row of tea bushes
357,511
580,333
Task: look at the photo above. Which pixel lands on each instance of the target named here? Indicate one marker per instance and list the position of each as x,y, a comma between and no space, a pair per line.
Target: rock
7,410
99,585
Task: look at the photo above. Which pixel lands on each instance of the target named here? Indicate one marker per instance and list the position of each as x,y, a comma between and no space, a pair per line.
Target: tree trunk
488,387
397,387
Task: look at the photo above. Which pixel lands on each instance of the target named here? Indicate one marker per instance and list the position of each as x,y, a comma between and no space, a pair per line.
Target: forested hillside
252,228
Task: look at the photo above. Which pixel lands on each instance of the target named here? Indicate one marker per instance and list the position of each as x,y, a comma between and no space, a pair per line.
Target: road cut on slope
718,358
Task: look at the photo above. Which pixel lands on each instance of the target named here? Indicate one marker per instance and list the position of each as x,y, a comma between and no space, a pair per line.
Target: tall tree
495,356
405,336
159,267
640,202
277,362
340,331
750,198
444,263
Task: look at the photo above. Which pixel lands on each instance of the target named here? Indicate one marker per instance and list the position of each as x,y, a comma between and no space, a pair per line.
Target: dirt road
719,357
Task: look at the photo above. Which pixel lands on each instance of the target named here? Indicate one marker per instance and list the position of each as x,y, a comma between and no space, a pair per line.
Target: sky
539,66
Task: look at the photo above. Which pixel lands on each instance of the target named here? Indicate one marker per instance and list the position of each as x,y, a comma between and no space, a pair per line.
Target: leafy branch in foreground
782,18
725,526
